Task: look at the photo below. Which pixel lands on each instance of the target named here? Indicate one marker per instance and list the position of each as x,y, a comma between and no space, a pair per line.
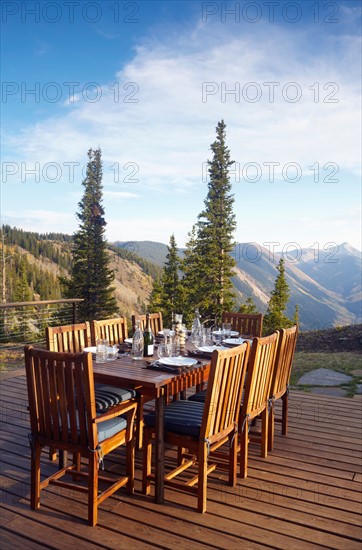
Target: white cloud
41,221
168,130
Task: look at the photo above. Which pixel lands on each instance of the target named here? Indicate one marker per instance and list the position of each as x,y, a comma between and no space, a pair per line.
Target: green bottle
147,339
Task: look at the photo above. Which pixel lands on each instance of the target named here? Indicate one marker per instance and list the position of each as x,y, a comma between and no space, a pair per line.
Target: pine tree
275,318
167,294
22,291
208,262
249,307
91,278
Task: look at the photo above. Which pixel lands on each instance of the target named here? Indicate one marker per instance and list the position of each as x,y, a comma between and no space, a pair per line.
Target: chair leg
93,489
271,428
202,481
233,457
264,433
35,477
139,423
244,445
52,454
285,402
147,462
130,456
180,452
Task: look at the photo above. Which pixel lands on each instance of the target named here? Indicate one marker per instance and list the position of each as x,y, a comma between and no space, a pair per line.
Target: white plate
92,349
232,333
161,333
236,341
210,349
177,361
128,340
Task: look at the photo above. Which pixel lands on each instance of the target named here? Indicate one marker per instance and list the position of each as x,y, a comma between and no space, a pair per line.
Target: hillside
326,284
34,262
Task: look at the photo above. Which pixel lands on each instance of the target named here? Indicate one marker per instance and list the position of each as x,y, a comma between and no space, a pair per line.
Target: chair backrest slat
248,324
260,373
113,330
68,338
285,354
156,322
223,398
61,396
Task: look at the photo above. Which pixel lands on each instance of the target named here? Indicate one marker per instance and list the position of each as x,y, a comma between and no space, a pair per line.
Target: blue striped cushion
107,396
110,427
183,417
198,397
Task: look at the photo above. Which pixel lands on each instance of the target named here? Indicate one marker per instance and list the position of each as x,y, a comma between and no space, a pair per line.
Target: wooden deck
306,494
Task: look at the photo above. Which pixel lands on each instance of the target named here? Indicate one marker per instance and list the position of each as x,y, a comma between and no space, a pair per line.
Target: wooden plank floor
306,494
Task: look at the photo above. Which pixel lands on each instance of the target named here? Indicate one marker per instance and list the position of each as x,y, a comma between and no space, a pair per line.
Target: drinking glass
163,350
101,351
226,328
175,346
112,353
217,335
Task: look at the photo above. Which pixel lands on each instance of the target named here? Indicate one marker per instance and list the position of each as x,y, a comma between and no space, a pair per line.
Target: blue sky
148,81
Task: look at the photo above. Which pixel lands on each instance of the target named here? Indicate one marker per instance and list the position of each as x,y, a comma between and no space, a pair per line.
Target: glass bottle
147,339
137,343
196,327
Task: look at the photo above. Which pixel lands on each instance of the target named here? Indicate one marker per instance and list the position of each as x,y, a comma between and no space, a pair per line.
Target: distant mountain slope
319,306
327,292
337,269
150,250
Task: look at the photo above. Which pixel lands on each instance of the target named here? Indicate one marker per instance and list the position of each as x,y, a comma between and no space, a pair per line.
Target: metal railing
24,322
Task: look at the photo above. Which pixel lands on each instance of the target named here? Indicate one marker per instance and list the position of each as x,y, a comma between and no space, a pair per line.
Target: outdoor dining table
157,385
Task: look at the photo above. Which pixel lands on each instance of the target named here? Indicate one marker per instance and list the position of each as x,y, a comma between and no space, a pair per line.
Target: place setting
207,340
170,360
103,352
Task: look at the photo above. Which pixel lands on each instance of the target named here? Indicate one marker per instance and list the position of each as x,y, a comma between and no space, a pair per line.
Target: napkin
156,365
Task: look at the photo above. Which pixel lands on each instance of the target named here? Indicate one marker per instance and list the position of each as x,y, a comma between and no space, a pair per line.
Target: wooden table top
125,370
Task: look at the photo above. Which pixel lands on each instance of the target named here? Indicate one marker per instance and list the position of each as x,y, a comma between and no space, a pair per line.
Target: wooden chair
256,395
63,416
247,324
155,322
280,382
113,330
71,338
203,428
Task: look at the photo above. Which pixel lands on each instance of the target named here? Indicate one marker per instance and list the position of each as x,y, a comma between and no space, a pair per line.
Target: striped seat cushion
183,417
198,397
107,396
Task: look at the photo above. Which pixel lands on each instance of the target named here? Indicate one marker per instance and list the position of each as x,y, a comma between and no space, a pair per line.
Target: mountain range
326,284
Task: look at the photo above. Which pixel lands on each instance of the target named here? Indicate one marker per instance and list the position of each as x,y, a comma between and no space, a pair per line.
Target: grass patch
344,361
11,359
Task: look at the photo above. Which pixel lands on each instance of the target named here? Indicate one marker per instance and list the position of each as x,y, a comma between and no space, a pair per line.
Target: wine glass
217,335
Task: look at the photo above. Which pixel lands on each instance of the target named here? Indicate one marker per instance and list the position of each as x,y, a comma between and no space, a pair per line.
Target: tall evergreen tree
209,263
167,293
171,286
249,307
91,278
275,318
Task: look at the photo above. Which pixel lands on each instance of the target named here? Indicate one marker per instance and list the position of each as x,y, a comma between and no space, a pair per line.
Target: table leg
160,447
